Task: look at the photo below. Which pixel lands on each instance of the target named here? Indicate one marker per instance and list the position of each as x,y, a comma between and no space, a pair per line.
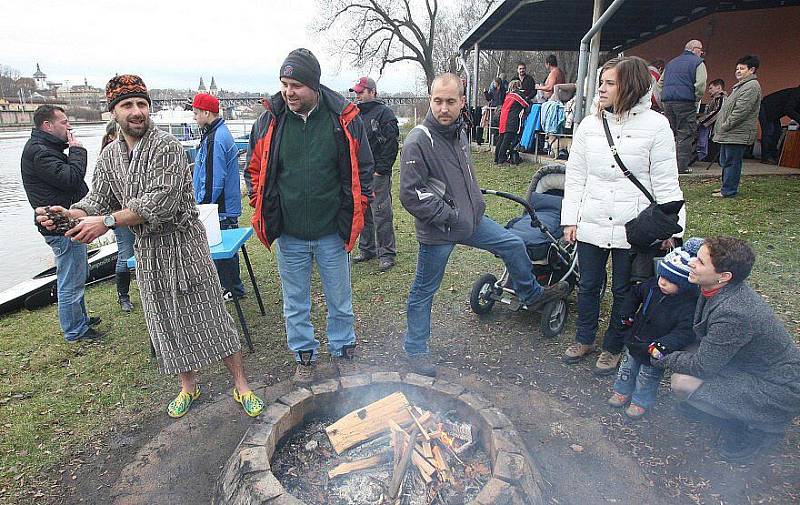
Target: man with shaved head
680,89
438,187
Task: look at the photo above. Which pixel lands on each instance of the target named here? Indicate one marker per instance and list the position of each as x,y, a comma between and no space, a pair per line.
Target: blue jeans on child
639,379
72,268
431,264
295,261
228,270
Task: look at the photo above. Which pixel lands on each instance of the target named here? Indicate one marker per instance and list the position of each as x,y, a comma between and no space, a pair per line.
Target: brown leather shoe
607,363
577,351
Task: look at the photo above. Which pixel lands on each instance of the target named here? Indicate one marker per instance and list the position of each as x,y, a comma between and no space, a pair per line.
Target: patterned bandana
125,86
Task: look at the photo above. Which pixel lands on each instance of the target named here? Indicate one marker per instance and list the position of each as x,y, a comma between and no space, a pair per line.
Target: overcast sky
171,43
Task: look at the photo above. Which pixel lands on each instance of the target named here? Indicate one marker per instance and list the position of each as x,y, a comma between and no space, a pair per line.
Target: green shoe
253,405
180,405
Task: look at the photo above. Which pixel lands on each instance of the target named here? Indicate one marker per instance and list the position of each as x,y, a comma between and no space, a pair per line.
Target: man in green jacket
736,124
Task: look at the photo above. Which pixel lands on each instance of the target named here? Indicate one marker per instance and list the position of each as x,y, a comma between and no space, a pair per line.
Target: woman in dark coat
746,371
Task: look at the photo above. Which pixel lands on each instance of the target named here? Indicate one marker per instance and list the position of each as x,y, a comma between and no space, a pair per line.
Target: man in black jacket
438,187
527,85
774,106
51,177
382,132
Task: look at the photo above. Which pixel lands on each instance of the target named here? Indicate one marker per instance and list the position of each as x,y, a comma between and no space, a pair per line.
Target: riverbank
74,417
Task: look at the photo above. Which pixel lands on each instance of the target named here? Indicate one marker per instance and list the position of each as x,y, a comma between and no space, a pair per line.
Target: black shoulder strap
622,166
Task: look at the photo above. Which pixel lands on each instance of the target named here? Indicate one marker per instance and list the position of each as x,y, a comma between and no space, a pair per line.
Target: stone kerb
247,477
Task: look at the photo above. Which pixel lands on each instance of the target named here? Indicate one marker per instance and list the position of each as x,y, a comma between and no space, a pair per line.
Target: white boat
181,124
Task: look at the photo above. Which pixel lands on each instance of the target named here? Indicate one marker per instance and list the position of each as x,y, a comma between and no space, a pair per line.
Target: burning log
368,422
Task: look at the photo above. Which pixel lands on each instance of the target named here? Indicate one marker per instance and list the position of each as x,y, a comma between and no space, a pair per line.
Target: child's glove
657,353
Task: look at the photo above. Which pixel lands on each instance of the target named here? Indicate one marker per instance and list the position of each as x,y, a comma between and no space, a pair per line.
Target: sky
172,43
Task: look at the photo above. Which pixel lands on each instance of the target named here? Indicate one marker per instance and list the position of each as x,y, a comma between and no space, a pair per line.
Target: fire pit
320,445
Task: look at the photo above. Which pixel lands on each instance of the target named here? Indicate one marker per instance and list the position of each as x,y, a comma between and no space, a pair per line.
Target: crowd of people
733,362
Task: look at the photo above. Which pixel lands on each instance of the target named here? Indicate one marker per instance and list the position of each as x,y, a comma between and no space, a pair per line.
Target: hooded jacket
511,113
51,177
216,171
382,133
355,165
598,198
437,183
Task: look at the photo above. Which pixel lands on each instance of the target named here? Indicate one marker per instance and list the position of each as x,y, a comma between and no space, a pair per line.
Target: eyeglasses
699,49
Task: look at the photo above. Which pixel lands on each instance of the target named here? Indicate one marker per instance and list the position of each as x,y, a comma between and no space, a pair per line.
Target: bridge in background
252,100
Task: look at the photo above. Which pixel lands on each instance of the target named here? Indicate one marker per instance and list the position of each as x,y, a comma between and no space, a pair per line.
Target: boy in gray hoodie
438,187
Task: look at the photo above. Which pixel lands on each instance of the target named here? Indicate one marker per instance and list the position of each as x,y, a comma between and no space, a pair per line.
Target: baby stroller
551,260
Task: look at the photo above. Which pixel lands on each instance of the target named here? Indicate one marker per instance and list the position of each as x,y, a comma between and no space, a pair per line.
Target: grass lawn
59,402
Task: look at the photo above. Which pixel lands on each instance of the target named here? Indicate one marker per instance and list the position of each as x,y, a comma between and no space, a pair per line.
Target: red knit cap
204,101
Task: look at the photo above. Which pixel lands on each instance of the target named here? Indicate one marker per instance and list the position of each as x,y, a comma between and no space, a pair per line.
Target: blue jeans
124,237
295,258
431,264
228,270
730,159
638,378
72,268
592,261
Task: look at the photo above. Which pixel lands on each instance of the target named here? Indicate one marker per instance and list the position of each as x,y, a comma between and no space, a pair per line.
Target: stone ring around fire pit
247,477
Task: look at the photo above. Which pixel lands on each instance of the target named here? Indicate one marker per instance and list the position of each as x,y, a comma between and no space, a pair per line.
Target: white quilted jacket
598,198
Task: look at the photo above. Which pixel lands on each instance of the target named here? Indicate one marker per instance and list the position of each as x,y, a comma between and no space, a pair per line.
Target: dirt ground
587,452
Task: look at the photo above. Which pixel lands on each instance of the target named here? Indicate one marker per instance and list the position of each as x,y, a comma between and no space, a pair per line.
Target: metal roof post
594,56
476,73
583,60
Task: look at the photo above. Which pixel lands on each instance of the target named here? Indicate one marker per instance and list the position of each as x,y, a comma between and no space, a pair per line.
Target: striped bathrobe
181,294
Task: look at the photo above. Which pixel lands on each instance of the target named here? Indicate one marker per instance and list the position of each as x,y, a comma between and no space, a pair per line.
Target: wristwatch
110,221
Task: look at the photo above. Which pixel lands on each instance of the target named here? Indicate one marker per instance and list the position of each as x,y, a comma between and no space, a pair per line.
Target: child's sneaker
634,411
618,400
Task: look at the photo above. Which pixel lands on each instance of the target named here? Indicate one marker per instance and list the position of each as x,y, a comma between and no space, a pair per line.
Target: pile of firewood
415,438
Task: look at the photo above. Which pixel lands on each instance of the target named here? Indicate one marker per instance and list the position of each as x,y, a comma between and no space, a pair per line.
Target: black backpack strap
622,166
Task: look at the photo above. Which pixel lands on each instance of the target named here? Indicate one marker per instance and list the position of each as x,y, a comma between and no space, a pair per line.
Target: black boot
123,286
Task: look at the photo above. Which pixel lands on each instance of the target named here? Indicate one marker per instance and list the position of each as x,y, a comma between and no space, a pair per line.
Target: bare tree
8,79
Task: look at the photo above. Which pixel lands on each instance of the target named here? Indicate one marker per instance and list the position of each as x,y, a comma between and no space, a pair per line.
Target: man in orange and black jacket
309,179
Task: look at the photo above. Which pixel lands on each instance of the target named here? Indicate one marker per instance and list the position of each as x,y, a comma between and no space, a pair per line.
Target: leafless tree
8,79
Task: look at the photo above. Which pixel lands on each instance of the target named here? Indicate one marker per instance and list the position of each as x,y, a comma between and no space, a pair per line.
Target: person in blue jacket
216,180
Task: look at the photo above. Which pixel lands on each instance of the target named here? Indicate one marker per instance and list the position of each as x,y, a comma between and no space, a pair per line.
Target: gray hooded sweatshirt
437,183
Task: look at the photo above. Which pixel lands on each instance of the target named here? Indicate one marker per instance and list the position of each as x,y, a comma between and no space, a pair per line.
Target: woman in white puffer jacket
599,199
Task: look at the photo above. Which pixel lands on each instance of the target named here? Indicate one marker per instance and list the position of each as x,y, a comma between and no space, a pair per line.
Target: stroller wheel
553,319
480,299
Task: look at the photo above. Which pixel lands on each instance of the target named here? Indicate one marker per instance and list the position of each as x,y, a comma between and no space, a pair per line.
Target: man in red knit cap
216,180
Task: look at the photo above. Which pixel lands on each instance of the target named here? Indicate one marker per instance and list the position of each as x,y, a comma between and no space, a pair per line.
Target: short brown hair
44,113
731,254
633,81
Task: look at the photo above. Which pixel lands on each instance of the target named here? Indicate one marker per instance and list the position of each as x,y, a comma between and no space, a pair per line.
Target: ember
387,452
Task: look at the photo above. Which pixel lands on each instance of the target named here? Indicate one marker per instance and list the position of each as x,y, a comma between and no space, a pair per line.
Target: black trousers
505,152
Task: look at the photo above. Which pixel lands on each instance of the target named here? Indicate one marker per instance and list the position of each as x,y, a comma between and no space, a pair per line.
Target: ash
302,463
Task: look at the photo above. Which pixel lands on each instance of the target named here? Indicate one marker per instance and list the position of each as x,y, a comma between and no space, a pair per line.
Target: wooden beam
367,422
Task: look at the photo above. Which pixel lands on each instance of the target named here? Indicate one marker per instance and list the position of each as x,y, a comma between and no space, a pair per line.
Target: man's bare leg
188,382
236,369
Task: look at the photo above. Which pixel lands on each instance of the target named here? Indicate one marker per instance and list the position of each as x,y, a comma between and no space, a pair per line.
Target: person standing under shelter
775,106
527,85
216,181
706,121
51,177
377,237
737,124
554,76
680,89
143,181
309,176
438,187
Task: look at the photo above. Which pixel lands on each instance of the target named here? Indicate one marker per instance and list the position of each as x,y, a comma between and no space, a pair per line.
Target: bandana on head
125,86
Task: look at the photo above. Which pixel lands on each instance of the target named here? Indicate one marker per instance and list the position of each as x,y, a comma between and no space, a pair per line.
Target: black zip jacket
382,133
51,177
666,319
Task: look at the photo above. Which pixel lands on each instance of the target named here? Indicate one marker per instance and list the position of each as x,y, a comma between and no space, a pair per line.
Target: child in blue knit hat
658,313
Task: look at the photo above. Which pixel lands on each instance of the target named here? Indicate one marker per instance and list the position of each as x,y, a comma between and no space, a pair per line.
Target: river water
23,251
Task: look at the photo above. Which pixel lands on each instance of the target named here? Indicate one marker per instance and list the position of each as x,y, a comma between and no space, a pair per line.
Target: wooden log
426,450
426,469
400,471
359,464
418,421
367,422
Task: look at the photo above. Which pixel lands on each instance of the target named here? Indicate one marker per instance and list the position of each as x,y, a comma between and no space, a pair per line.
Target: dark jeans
377,237
592,261
682,118
730,159
228,270
770,134
505,149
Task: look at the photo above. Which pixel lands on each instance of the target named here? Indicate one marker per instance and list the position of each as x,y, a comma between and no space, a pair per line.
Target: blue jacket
216,171
680,75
